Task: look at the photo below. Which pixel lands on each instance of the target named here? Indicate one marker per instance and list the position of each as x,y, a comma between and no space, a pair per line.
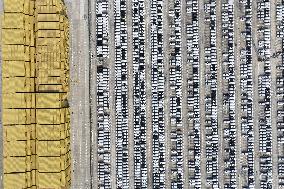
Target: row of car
229,95
139,95
103,127
280,93
103,113
102,28
246,85
264,90
193,95
211,122
175,80
158,89
121,93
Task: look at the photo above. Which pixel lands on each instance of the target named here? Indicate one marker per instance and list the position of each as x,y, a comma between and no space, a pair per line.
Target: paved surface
83,95
238,93
276,43
79,96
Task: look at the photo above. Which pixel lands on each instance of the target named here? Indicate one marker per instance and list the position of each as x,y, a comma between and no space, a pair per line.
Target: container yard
35,87
163,94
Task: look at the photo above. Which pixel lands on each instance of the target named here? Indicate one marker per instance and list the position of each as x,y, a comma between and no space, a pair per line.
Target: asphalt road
79,95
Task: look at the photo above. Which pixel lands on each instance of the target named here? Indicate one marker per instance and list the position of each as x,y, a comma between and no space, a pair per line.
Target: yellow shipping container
14,148
13,181
41,2
14,68
14,164
49,164
27,5
13,52
48,116
19,100
48,41
51,100
15,132
17,84
13,20
13,36
49,33
49,180
48,148
14,116
50,88
13,5
48,17
48,132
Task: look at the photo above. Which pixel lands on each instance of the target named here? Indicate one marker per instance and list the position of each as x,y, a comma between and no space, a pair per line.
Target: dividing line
148,76
276,46
112,94
131,109
237,47
184,108
93,93
255,73
167,118
201,26
220,90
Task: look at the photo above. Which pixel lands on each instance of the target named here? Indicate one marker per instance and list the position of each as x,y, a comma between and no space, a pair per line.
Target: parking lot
201,84
177,94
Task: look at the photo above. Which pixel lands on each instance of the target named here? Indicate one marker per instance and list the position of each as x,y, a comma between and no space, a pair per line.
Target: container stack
36,118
